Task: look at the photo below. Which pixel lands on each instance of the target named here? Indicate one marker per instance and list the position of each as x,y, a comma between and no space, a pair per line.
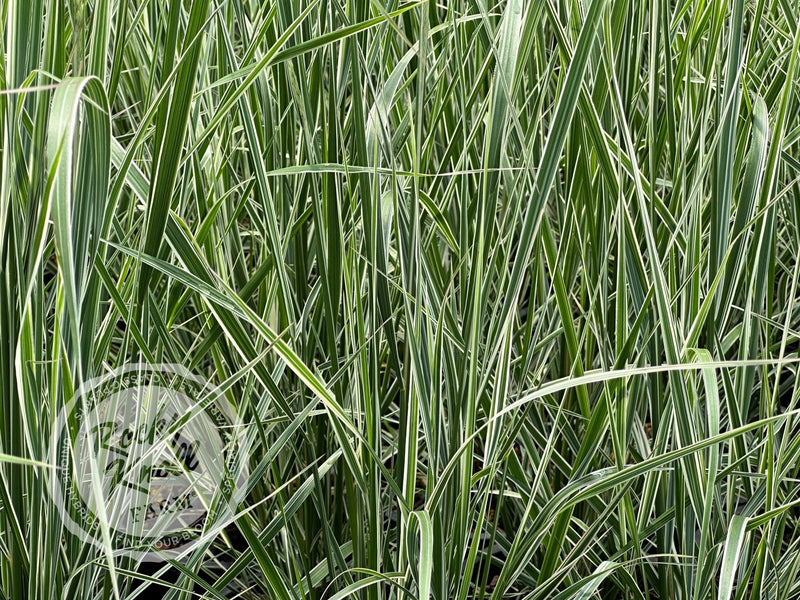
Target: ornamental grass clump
411,300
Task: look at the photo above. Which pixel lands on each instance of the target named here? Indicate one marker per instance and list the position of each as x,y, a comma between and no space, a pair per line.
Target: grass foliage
505,291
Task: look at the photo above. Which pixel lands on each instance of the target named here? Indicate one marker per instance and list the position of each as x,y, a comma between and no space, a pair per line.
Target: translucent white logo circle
152,451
